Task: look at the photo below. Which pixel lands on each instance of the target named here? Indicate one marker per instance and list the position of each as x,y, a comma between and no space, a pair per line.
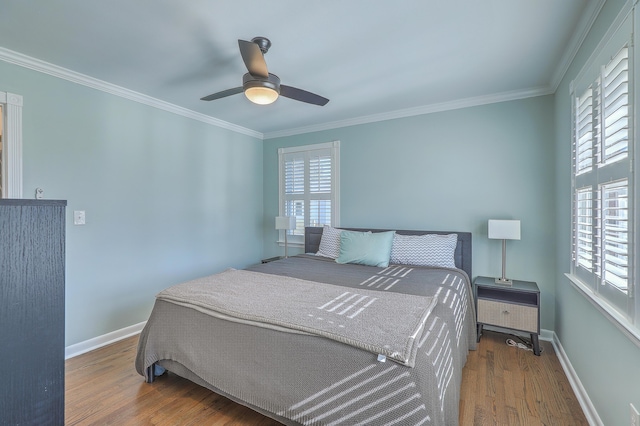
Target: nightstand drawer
519,317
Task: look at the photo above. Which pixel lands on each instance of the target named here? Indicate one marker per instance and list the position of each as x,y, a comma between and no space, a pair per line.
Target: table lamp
287,223
504,230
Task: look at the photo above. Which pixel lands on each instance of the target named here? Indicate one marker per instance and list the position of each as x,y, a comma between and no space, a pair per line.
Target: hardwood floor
501,385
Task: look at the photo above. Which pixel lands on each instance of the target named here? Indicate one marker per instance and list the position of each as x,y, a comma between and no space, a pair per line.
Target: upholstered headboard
462,255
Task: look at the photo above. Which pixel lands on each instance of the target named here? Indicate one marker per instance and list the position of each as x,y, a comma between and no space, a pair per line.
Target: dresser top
30,202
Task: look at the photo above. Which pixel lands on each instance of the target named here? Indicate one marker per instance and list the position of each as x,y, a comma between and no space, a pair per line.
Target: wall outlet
635,416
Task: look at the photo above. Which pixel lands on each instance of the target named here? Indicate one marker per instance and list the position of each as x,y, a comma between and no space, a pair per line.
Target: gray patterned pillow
330,242
424,250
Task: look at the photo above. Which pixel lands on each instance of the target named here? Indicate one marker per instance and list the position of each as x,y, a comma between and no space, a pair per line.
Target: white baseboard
100,341
546,335
581,394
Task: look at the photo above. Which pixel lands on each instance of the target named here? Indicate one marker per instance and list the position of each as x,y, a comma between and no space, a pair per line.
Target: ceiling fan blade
253,58
302,95
223,94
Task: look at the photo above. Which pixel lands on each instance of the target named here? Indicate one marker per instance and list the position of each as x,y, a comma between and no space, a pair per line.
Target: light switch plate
78,217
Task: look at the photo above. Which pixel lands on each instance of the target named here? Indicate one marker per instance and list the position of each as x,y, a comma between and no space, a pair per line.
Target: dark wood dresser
32,295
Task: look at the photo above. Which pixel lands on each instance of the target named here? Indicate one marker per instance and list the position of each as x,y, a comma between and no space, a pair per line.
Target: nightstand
516,306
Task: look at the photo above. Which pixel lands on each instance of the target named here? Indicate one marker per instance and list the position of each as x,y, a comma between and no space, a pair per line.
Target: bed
299,376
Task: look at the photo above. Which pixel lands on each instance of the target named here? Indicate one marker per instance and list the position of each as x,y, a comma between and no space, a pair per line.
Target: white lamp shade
504,229
285,222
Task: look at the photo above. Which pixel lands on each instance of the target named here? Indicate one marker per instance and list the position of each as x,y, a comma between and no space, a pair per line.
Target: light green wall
606,362
452,170
167,198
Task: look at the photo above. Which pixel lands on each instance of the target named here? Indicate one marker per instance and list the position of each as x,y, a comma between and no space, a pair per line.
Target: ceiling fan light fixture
261,90
261,95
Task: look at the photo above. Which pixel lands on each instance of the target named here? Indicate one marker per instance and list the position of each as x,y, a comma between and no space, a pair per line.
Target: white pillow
330,242
424,250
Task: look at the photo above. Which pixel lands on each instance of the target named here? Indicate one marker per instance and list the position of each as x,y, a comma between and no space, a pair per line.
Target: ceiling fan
259,85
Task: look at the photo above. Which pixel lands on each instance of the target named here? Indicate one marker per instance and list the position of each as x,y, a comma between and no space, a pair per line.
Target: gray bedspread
308,379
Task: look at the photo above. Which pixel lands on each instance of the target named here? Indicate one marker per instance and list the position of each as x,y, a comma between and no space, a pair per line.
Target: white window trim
627,327
335,184
12,145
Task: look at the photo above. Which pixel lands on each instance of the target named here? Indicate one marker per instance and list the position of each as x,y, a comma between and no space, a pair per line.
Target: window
10,145
309,186
602,175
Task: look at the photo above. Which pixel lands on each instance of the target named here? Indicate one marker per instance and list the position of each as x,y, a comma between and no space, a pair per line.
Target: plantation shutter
613,237
584,128
309,186
602,175
320,171
584,229
294,188
616,108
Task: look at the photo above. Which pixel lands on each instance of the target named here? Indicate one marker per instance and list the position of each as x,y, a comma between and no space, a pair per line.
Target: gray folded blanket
383,323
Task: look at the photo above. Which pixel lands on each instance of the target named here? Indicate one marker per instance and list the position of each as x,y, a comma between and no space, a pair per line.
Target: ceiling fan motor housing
263,43
271,82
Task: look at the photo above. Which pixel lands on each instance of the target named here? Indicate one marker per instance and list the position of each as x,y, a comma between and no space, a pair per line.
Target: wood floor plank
501,385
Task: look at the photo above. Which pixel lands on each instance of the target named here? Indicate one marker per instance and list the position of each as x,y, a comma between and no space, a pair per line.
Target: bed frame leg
151,373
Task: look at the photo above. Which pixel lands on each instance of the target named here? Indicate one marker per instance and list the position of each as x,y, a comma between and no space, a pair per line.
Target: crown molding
584,26
410,112
25,61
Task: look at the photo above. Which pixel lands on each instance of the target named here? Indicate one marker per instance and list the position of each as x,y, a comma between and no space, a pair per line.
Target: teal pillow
366,248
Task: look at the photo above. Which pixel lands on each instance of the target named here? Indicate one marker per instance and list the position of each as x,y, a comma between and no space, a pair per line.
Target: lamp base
504,281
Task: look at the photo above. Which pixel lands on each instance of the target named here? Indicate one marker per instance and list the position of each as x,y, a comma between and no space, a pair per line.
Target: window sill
290,244
623,324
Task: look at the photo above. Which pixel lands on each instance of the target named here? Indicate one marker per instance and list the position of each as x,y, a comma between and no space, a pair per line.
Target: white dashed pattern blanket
379,322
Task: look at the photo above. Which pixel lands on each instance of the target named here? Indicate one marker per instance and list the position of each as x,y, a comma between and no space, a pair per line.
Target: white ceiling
372,59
